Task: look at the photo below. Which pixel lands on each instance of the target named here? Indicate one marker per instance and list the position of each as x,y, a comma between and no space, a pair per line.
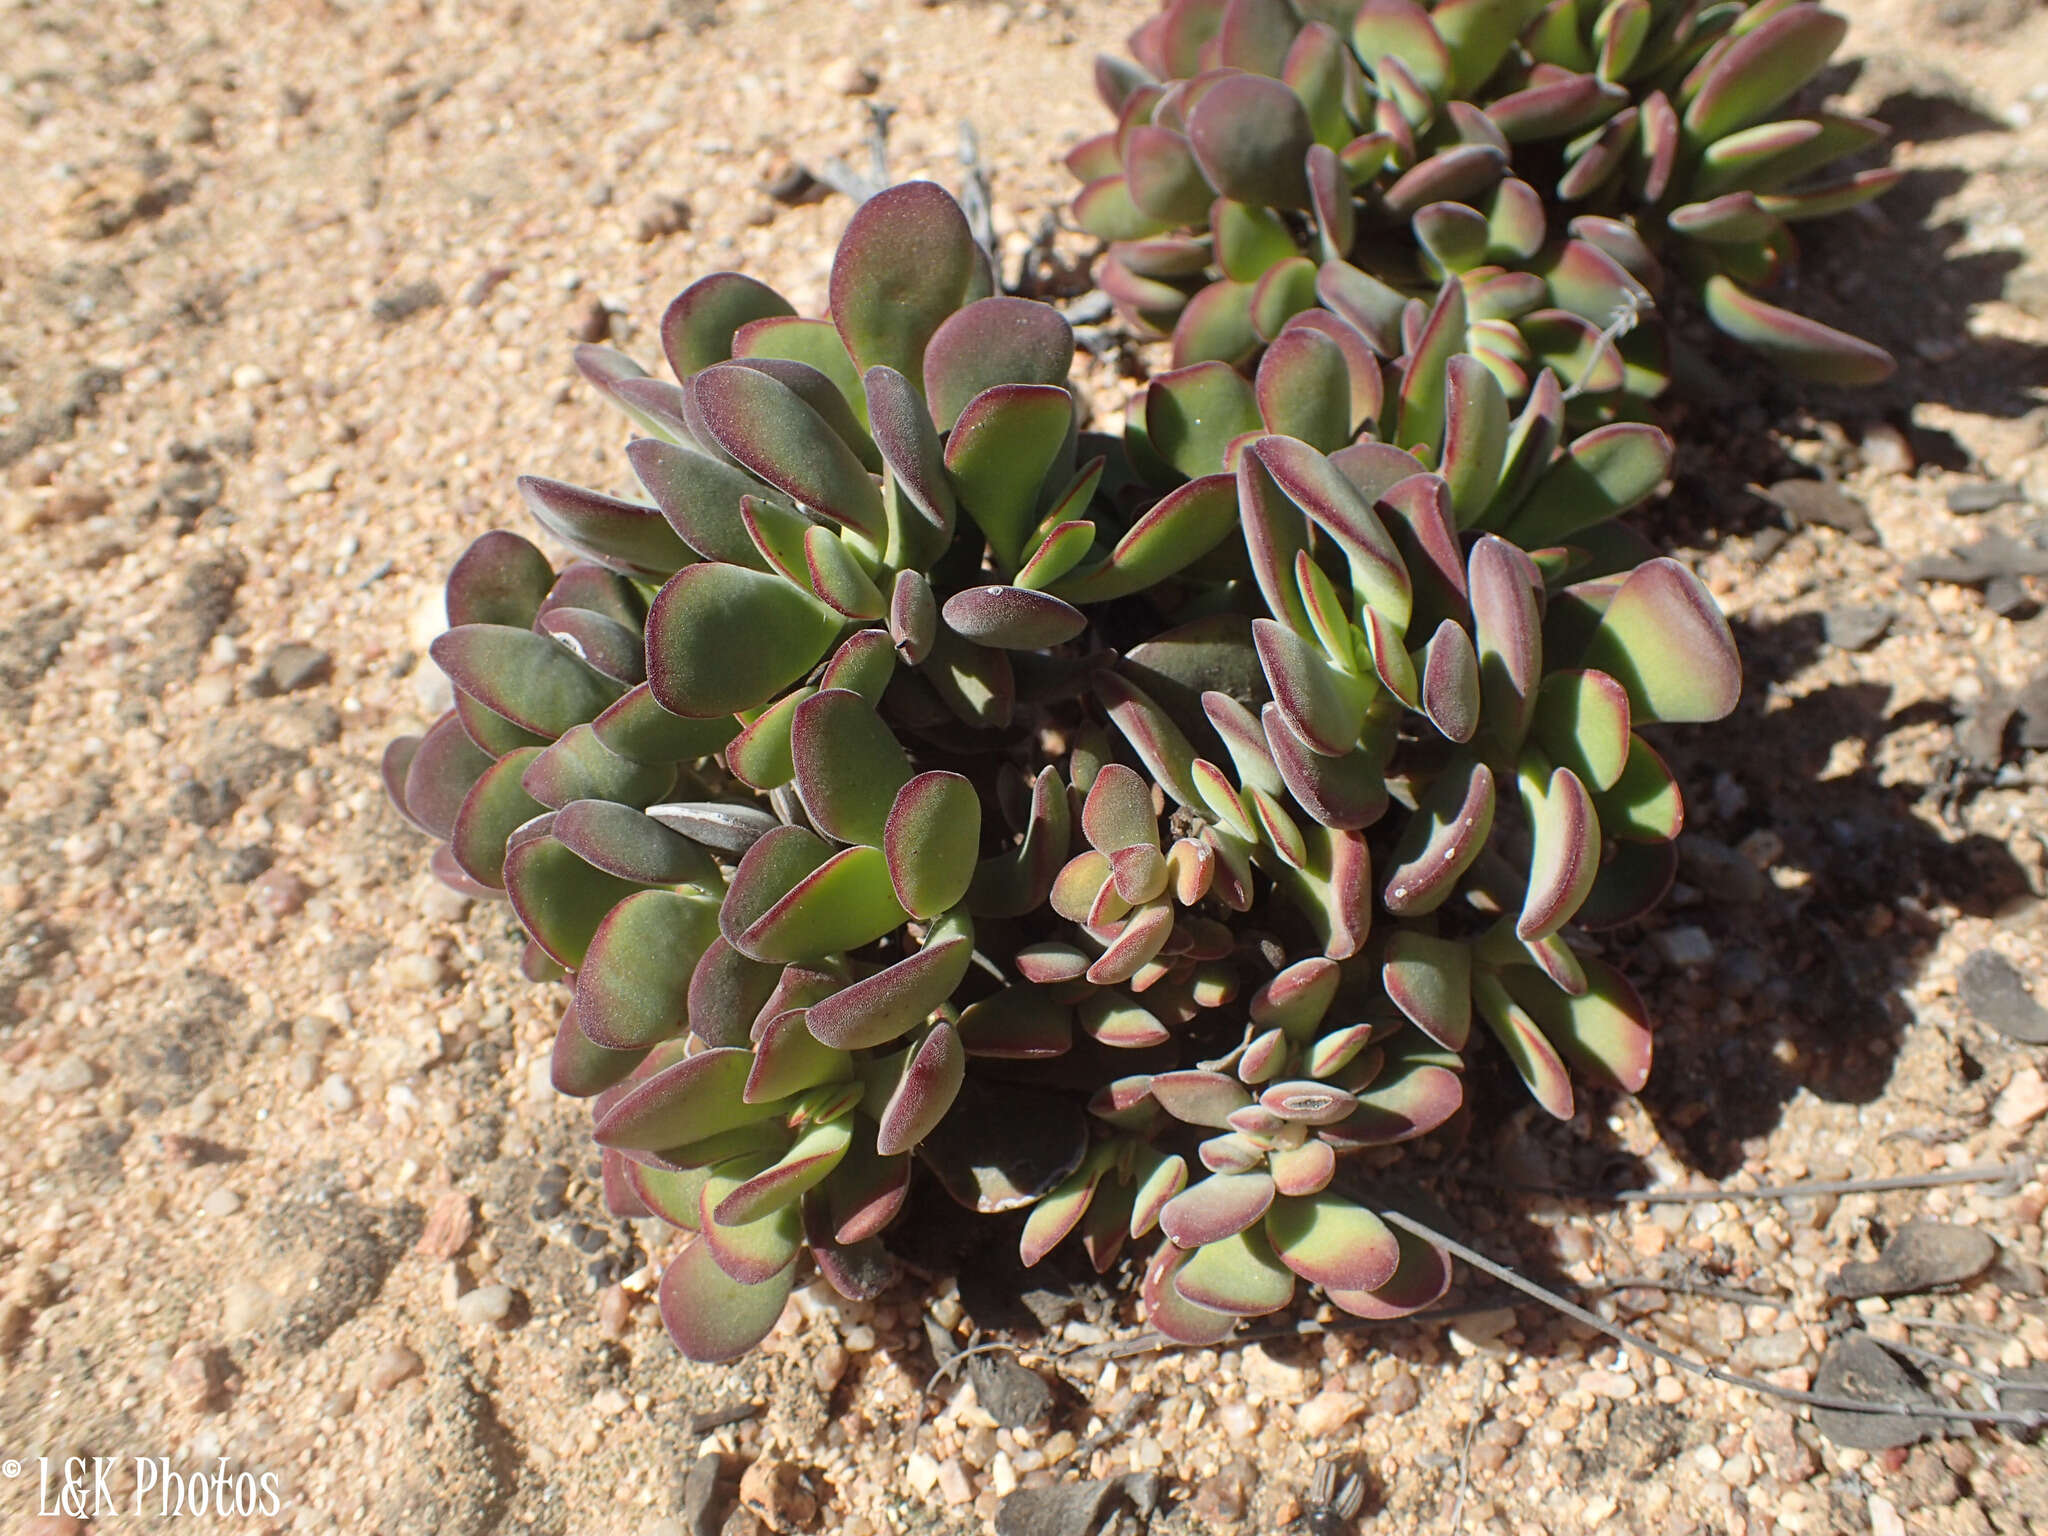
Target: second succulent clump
1127,828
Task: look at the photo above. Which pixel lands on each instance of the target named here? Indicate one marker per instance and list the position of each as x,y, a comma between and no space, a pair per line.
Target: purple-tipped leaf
1331,1242
931,839
1663,639
721,639
905,264
1795,343
931,1080
499,579
1440,841
1251,134
1430,980
633,988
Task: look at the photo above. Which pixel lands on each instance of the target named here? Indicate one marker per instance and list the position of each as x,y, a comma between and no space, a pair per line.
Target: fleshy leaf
905,264
844,903
896,999
1430,980
721,639
711,1317
1801,346
767,427
1251,134
998,455
1440,840
1664,640
1534,1057
931,1079
1221,1206
633,987
932,838
1329,1241
529,679
1565,858
499,579
1239,1274
849,768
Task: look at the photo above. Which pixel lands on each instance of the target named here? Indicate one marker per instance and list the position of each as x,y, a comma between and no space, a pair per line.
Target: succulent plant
1275,155
916,777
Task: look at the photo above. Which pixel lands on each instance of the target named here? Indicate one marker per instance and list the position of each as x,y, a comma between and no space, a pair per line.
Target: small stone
828,1367
418,973
789,182
405,301
658,214
195,1377
1820,501
388,1367
921,1471
1720,871
1995,993
954,1486
779,1494
69,1073
2023,1101
312,482
1684,948
1884,1517
1856,626
74,504
485,1307
1982,496
1397,1396
245,1308
337,1093
610,1402
1475,1330
615,1311
1266,1377
1220,1500
193,125
249,376
223,1202
449,1227
16,1318
848,77
1885,449
1607,1384
292,667
278,893
1327,1412
1776,1351
593,322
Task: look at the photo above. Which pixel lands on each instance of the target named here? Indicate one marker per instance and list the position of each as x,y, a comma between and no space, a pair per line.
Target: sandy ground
287,293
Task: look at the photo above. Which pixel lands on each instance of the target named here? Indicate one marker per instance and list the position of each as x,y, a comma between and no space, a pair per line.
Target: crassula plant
1276,158
914,789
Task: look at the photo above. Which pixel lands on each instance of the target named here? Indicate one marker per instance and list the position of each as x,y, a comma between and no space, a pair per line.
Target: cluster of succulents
1276,160
1126,827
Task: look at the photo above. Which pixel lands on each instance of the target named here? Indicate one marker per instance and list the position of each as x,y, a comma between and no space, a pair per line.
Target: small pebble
1266,1377
278,893
2023,1101
954,1486
485,1307
1327,1412
1685,947
848,77
1856,626
337,1094
388,1367
222,1202
68,1074
1982,496
449,1227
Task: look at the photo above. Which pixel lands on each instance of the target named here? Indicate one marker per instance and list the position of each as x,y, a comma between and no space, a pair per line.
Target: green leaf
906,262
721,639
